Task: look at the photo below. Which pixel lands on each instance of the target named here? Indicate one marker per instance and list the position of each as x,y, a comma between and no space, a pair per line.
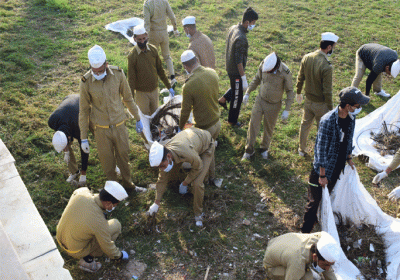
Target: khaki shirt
103,101
203,47
316,70
82,220
200,93
155,15
290,255
273,85
186,146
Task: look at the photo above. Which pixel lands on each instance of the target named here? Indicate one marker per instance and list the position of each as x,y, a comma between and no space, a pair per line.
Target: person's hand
66,157
379,177
139,126
176,32
395,194
171,92
299,98
152,210
85,145
246,98
323,181
244,83
182,189
124,256
285,115
351,163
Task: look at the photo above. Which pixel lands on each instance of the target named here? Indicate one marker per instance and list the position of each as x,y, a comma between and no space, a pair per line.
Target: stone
246,222
133,270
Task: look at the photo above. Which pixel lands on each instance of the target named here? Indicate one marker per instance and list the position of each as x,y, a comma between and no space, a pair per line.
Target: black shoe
238,124
223,105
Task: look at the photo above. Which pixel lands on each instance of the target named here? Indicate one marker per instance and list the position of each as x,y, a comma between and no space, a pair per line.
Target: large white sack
363,143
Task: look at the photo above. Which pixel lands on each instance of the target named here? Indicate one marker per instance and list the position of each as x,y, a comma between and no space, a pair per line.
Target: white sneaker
140,189
264,155
247,156
302,154
118,171
199,220
82,181
382,93
72,177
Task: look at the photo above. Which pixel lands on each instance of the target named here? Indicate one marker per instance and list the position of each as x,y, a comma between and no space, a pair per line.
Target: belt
110,126
65,249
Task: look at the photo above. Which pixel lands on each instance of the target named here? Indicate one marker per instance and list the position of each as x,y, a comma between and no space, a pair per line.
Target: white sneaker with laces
302,154
382,93
82,180
72,177
247,156
118,171
140,189
264,155
199,220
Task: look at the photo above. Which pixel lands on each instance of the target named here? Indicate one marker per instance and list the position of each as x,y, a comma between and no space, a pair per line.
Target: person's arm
394,163
147,17
161,72
327,86
370,80
171,15
256,81
300,77
322,145
84,110
186,107
103,237
132,72
127,98
288,86
329,274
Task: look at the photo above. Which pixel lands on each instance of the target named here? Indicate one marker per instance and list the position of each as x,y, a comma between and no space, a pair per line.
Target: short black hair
190,62
278,62
324,44
250,15
315,251
106,196
166,152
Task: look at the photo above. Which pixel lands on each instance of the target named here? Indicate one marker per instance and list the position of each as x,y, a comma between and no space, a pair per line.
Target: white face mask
317,268
188,35
356,111
111,209
169,167
250,27
99,77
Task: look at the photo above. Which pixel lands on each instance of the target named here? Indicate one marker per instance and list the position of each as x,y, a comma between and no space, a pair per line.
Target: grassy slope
43,47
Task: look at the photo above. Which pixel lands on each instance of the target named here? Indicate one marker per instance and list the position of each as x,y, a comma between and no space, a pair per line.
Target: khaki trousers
270,112
148,102
360,70
214,131
312,110
113,148
160,38
93,248
72,164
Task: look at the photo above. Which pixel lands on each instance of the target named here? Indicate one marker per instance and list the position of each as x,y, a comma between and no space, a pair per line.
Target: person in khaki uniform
191,145
155,22
200,43
316,70
200,94
297,256
103,92
83,230
275,78
144,68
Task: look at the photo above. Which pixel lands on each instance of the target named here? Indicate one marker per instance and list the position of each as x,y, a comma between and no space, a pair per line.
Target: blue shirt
328,141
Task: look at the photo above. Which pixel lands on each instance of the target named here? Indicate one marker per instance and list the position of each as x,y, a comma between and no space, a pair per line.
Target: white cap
329,36
328,247
189,20
156,154
394,71
270,62
116,190
139,30
187,55
60,141
97,56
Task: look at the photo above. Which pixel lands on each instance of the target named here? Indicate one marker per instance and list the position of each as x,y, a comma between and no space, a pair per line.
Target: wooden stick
208,269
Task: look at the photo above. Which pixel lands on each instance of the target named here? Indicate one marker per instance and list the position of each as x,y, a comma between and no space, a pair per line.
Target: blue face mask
188,35
110,210
250,27
356,111
169,167
317,268
99,77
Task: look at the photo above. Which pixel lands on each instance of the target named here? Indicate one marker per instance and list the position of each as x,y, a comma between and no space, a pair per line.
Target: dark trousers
234,95
84,157
314,197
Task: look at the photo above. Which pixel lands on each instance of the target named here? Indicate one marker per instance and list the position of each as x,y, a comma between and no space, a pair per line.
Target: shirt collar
242,28
139,50
324,54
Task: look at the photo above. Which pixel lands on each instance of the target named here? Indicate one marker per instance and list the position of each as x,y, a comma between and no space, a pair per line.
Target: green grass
43,50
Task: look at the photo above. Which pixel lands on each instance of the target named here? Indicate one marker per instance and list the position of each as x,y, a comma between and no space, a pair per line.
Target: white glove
153,210
82,180
285,115
125,256
379,177
66,157
244,83
395,194
176,32
245,99
85,145
182,189
299,98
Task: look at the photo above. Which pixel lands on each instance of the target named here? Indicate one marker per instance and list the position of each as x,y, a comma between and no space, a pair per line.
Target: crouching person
192,145
83,230
298,256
